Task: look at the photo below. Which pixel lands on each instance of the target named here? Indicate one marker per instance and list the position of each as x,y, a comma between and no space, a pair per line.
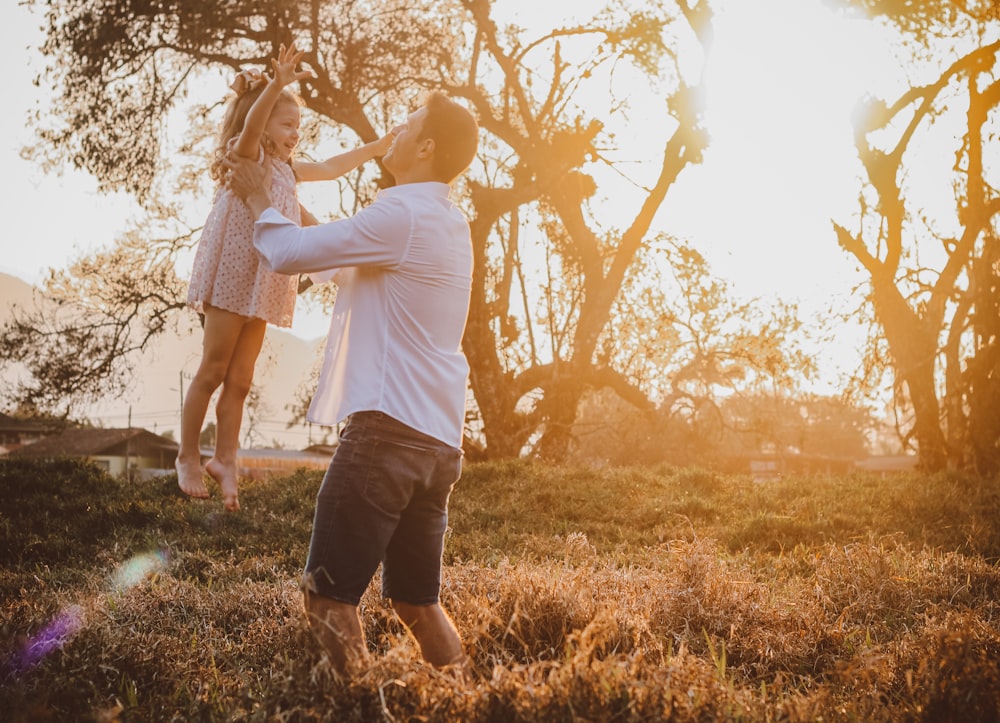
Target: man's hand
250,181
307,217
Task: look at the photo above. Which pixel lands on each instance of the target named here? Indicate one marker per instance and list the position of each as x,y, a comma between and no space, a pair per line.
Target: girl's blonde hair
234,120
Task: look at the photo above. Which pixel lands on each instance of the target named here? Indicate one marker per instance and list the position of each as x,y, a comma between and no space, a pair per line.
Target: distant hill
14,292
155,397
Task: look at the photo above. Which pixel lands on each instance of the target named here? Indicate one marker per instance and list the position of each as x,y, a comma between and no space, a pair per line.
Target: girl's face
283,128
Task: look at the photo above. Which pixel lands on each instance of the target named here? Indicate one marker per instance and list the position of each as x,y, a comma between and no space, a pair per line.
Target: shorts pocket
395,471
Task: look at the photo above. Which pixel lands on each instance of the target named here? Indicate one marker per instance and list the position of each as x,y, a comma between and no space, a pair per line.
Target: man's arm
375,236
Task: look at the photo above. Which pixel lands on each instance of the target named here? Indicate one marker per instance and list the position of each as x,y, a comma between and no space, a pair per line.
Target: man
395,371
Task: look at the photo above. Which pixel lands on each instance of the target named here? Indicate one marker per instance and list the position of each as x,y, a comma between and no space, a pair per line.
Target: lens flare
60,630
68,622
136,569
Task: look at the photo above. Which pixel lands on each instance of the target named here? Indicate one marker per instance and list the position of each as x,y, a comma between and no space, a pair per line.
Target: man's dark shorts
384,499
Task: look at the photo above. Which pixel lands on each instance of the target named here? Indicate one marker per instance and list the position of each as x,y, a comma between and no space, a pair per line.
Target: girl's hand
284,66
383,144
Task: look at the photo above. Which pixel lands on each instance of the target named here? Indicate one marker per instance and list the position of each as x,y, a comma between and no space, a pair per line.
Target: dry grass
170,611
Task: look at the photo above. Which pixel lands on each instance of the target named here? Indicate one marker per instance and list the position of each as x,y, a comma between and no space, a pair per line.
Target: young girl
237,295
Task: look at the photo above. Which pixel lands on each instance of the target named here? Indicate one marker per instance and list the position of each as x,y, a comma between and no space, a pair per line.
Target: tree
699,358
812,425
553,125
207,436
553,145
932,259
96,315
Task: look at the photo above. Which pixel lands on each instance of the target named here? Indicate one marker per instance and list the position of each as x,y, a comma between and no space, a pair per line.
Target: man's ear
426,149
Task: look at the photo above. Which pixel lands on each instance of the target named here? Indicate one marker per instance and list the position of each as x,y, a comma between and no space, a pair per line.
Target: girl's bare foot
190,479
225,475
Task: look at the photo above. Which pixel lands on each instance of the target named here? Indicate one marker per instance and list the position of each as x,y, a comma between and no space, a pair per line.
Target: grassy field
581,595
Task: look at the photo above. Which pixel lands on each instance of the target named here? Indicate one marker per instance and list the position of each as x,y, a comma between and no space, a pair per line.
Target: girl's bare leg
222,331
229,410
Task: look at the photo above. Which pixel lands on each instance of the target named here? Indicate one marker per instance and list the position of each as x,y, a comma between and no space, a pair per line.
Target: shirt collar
423,188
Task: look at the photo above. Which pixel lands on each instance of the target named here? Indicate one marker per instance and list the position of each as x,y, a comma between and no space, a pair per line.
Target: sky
783,74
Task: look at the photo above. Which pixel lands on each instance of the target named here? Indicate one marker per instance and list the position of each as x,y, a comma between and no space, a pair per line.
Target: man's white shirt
404,277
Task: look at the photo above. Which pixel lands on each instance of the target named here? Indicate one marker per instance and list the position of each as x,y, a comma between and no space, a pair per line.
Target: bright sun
782,79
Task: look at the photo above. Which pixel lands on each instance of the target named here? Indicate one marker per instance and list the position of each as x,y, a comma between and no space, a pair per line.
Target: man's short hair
455,134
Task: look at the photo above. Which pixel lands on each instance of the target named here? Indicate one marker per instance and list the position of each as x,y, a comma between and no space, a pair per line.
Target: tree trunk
503,427
983,369
984,411
560,407
914,350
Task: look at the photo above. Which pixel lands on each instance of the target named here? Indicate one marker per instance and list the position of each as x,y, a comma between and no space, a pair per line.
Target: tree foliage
711,368
559,114
99,311
120,66
549,145
931,249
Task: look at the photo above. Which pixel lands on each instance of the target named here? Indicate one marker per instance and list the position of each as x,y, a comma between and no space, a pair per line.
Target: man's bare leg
440,644
337,627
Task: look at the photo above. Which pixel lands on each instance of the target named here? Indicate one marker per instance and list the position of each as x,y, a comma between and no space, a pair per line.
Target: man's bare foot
190,479
225,475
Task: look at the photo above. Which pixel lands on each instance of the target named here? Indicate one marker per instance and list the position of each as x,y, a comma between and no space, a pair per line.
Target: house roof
323,449
269,453
19,424
93,442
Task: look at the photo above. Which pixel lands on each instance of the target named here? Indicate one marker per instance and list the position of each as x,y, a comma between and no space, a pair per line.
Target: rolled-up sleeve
376,236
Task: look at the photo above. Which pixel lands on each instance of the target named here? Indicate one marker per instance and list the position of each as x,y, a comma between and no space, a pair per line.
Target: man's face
402,153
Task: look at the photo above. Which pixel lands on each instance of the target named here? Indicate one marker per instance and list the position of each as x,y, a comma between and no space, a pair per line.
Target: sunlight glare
138,568
65,625
782,77
57,633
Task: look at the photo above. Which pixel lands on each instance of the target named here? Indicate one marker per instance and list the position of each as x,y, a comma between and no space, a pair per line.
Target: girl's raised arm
248,141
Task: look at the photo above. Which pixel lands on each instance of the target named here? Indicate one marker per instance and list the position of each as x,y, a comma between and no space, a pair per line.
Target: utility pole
128,445
180,391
